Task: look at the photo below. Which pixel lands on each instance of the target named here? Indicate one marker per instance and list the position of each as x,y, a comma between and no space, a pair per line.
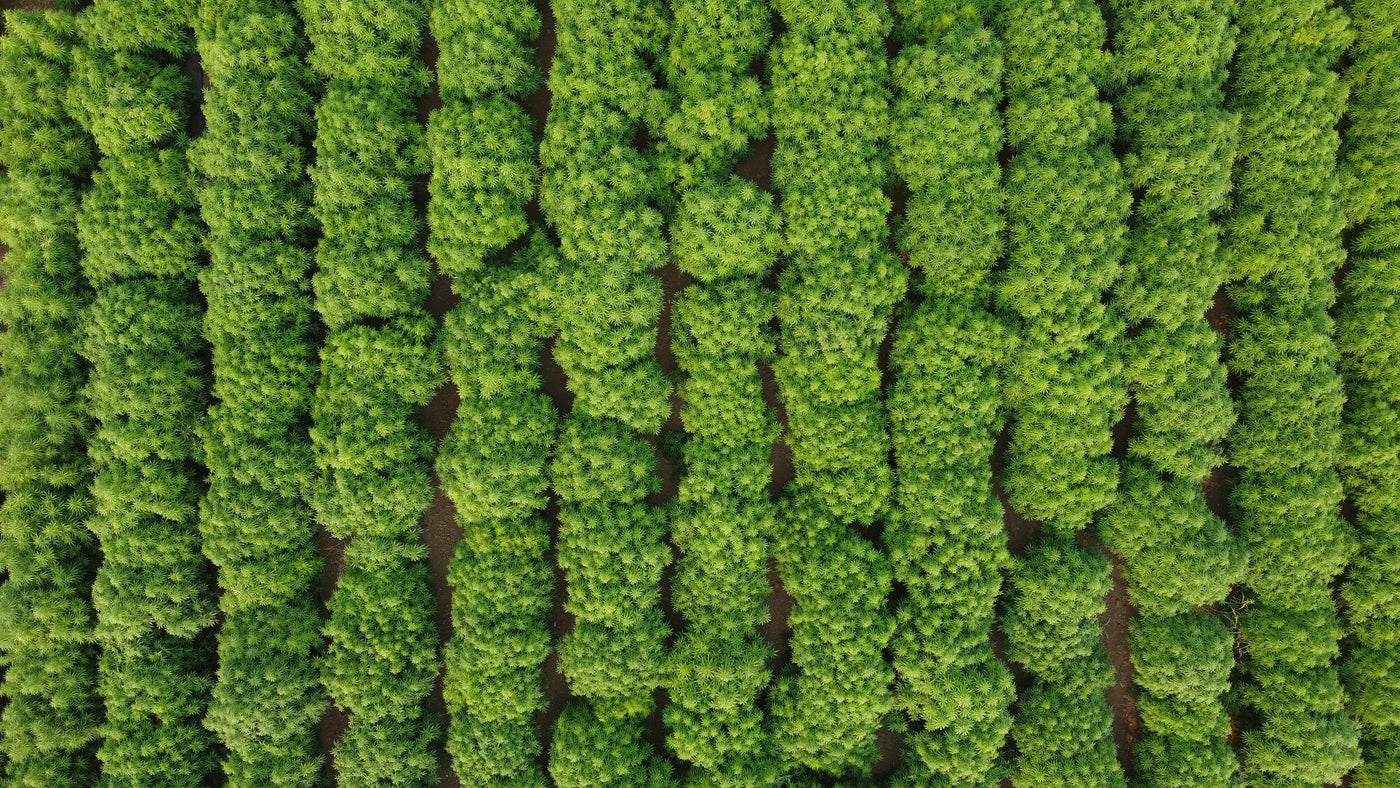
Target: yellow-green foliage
1368,335
47,554
840,281
1067,204
379,365
724,233
250,165
148,392
1284,246
945,538
599,193
493,461
1169,70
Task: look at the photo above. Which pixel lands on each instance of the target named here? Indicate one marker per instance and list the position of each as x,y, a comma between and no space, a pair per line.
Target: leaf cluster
485,48
945,540
381,665
1289,440
147,391
1180,555
369,148
1067,203
36,56
493,462
725,234
368,43
611,547
599,193
1062,726
484,172
720,106
589,750
47,554
1170,65
141,25
946,142
944,535
836,295
380,362
1369,340
830,701
249,170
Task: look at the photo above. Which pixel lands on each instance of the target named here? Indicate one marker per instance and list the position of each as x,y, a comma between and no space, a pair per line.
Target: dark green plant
379,364
250,167
1284,246
47,555
1368,336
944,536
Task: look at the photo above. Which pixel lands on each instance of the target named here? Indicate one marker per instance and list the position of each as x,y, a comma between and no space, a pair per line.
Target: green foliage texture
840,281
725,235
1067,203
600,194
1169,70
148,391
1284,247
724,516
379,365
945,539
250,165
47,555
830,104
1368,335
493,462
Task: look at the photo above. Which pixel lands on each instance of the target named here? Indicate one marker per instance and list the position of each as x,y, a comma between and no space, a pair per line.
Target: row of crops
1096,263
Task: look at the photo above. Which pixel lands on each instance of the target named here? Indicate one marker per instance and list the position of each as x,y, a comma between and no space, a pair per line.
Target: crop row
724,234
1170,66
840,282
1368,335
1066,204
599,193
249,166
1284,247
1045,292
379,364
47,554
945,538
493,461
148,392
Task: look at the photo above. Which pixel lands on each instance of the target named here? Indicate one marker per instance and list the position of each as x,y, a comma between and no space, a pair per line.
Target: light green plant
1368,336
47,555
379,364
1284,246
